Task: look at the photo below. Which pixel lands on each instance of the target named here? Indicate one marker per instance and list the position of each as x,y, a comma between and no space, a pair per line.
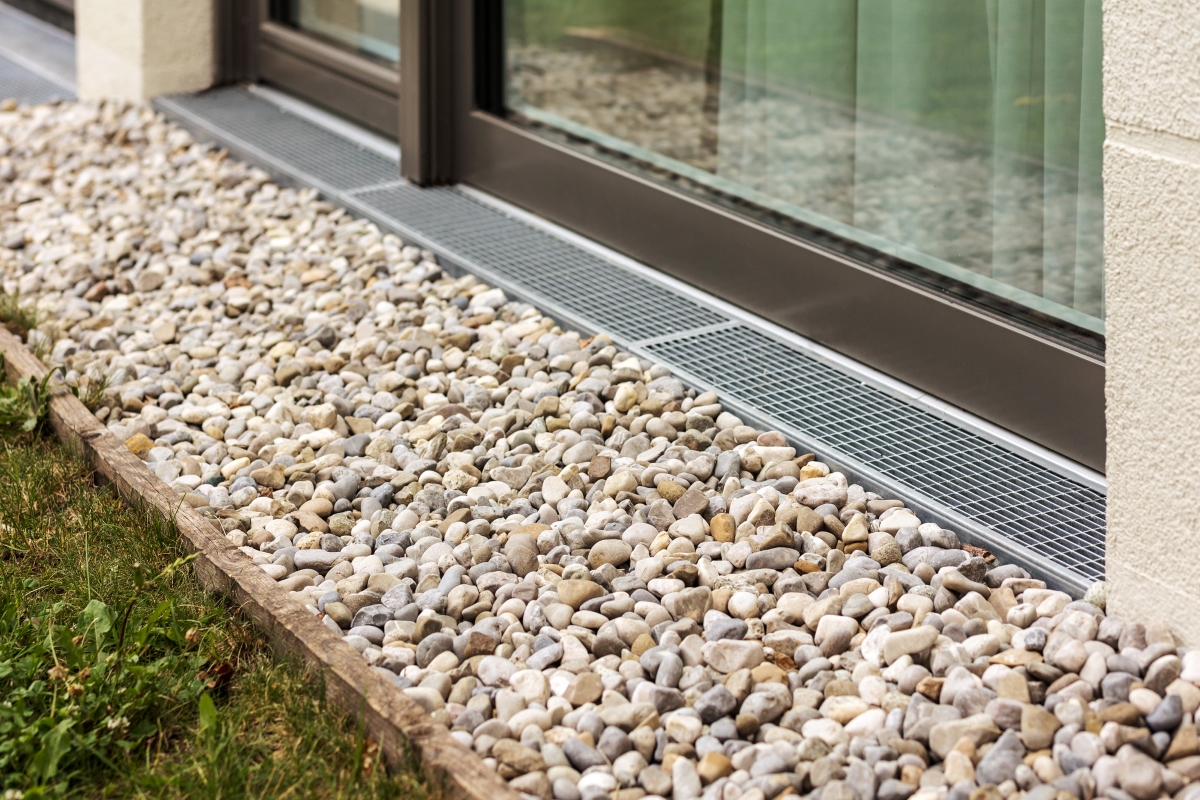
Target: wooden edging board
401,727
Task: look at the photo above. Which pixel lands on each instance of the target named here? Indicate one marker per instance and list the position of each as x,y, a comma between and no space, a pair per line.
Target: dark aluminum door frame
348,84
427,95
1009,373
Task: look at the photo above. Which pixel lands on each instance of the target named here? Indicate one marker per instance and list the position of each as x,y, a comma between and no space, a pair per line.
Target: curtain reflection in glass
960,135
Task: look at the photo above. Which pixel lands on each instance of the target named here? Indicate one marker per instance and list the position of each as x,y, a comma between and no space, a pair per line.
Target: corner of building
1152,286
136,50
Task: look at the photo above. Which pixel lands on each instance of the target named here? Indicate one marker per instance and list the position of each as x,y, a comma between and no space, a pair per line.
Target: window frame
342,81
1046,388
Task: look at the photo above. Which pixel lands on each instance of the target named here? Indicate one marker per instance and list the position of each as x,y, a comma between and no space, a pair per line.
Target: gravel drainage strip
1028,507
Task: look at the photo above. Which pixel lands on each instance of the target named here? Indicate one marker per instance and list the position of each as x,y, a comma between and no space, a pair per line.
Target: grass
91,388
120,677
23,318
18,317
25,405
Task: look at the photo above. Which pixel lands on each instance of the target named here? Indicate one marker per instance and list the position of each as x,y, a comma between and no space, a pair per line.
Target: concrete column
138,49
1152,274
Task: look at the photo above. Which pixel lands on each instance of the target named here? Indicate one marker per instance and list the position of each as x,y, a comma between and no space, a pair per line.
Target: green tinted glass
961,136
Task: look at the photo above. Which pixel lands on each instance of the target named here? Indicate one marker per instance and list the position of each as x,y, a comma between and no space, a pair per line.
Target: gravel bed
600,580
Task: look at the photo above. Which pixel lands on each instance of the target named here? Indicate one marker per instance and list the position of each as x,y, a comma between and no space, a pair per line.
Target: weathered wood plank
399,725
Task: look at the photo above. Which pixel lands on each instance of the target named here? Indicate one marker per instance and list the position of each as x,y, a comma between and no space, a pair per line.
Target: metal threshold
1024,503
37,60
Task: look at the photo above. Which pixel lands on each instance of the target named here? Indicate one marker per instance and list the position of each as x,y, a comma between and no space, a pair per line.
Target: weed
91,388
25,405
41,344
19,319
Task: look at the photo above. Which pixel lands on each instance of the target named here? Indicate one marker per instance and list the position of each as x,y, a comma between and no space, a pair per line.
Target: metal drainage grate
621,303
41,47
1049,524
310,150
25,86
1055,518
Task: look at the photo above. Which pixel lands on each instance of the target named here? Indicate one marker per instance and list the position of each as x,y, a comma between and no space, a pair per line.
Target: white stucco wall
138,49
1152,289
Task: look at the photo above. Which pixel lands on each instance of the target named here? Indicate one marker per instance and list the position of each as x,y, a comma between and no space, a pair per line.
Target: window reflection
963,136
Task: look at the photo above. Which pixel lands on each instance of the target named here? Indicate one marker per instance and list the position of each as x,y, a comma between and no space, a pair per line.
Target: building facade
993,202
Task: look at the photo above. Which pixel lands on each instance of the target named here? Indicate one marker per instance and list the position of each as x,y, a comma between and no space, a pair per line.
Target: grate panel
620,302
1026,503
40,43
305,146
27,87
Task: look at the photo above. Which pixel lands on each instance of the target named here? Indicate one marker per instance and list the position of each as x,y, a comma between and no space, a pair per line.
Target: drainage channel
37,60
1023,503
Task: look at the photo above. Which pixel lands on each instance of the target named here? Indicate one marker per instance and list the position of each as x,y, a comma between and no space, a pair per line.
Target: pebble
600,578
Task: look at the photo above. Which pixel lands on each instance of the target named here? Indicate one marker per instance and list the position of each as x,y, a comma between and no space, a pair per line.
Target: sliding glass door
340,54
916,184
961,138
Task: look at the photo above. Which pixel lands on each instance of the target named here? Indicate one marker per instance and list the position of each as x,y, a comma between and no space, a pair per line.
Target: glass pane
370,27
961,136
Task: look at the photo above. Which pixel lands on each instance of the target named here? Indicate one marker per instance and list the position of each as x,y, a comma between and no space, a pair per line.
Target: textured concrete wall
138,49
1152,274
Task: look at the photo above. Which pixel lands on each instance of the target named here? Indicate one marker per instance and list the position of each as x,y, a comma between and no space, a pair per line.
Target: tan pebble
931,687
319,506
670,490
642,643
720,598
139,444
722,527
714,766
